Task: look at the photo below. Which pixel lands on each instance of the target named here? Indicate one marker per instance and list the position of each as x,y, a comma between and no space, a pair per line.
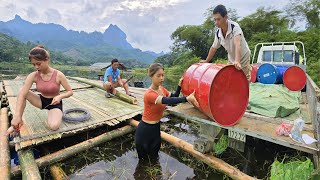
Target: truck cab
280,53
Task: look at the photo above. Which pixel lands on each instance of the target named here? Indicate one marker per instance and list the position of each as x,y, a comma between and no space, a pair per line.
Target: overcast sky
147,23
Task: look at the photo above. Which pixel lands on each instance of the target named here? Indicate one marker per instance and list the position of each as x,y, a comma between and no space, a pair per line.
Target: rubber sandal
107,95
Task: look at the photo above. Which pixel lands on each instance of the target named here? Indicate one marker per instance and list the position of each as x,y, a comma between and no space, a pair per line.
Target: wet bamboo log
210,160
122,96
72,150
28,165
55,170
4,145
57,173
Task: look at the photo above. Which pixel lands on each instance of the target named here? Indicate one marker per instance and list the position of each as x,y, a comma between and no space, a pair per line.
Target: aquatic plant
293,169
221,145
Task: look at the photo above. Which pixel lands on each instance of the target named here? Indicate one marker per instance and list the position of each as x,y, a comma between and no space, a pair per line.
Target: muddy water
118,160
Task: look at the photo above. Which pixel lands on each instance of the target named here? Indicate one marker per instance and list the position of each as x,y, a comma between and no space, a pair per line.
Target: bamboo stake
4,145
210,160
121,96
28,165
72,150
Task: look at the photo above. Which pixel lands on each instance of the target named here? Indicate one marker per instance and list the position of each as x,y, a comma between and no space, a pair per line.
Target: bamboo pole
57,173
126,98
120,95
55,170
210,160
28,165
4,145
72,150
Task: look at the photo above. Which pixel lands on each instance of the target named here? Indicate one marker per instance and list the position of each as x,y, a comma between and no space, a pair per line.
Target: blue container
15,158
271,74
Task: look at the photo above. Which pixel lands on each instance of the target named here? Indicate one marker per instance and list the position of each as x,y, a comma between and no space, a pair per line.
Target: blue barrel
271,74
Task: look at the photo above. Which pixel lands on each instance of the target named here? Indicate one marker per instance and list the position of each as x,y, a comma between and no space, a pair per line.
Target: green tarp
274,100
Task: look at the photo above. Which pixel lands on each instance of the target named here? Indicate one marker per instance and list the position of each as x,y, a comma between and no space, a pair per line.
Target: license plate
236,135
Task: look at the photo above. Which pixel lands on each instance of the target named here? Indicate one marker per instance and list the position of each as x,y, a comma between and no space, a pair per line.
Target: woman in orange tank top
48,81
147,137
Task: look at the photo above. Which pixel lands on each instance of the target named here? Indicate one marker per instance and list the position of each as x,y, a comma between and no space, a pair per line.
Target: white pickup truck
280,53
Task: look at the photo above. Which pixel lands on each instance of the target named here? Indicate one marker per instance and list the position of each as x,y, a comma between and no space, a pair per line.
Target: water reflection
128,166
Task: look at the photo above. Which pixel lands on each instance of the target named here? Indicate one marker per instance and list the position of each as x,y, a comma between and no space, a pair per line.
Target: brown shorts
246,68
115,84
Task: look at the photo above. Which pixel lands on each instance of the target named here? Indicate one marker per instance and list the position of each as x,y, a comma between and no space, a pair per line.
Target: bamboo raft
104,111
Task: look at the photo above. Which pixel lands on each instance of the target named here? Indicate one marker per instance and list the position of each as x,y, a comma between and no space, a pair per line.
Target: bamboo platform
104,111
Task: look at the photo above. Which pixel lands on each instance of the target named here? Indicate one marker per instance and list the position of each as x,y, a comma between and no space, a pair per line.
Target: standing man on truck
231,37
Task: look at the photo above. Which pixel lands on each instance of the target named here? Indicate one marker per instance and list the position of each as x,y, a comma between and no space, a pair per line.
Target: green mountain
13,50
81,46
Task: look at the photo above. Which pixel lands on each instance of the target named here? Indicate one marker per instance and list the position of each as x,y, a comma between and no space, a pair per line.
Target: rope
86,115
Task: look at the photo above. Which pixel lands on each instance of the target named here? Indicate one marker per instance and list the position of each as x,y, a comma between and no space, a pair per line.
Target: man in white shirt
230,36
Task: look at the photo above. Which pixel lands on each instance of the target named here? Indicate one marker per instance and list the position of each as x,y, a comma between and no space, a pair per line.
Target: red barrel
254,70
221,90
294,78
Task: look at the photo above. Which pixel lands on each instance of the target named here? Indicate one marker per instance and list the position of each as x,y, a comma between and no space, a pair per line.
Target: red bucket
221,90
294,78
254,70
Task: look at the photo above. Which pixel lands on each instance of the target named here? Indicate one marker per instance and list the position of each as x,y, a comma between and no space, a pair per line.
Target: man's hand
203,61
114,91
237,65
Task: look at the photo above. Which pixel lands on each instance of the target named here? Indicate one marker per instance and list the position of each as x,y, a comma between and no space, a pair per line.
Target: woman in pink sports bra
48,81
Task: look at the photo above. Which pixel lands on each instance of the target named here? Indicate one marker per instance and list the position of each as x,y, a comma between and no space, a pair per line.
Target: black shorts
46,101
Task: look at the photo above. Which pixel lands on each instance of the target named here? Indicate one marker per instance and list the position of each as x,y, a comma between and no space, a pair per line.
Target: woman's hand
16,124
9,131
192,99
180,81
56,100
